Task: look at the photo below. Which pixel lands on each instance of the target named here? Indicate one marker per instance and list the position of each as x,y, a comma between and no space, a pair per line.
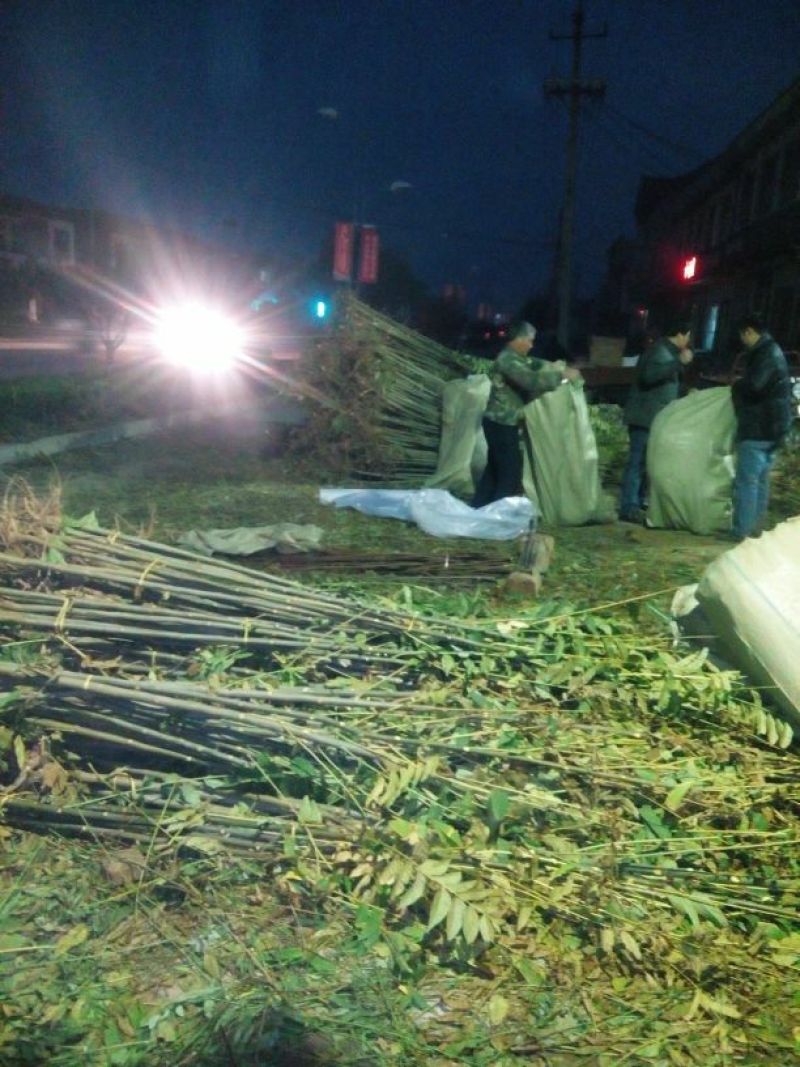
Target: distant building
723,239
45,248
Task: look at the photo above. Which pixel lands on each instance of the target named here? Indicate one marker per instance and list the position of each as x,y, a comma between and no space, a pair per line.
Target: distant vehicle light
199,338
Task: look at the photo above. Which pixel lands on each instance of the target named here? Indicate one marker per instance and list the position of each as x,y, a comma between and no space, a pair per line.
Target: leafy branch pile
567,839
383,382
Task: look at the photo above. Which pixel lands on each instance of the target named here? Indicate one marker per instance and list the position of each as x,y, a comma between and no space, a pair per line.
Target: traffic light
689,269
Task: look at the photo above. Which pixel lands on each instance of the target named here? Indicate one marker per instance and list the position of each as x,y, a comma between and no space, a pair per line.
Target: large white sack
751,596
462,448
565,476
690,463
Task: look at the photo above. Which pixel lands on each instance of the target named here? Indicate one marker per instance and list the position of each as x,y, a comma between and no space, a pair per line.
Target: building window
781,314
767,180
744,209
789,188
710,327
62,242
724,218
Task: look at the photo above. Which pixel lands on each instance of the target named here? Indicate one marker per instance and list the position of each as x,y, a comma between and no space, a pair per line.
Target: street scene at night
399,533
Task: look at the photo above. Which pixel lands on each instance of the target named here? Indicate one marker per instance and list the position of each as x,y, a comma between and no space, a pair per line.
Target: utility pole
575,89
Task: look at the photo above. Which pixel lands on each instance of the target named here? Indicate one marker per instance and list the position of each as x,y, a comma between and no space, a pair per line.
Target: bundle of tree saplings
384,385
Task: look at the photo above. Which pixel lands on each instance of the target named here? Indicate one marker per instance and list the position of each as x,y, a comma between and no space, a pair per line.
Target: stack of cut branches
384,382
477,782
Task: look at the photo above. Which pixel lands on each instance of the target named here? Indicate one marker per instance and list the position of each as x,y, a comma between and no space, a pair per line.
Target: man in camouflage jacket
517,379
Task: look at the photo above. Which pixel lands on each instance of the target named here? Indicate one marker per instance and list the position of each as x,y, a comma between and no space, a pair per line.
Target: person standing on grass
517,378
762,399
658,378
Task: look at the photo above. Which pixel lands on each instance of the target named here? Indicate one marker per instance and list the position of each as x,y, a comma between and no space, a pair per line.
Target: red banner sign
343,251
368,256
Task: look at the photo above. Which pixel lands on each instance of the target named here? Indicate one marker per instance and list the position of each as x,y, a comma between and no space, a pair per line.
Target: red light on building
689,268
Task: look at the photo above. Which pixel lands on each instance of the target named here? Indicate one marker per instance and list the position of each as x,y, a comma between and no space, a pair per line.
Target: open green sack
462,448
751,596
690,463
565,476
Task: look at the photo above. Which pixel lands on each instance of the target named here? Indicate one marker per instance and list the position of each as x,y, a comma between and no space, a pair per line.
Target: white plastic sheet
438,512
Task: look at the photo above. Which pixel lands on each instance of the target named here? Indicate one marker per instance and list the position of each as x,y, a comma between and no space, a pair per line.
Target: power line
631,145
673,146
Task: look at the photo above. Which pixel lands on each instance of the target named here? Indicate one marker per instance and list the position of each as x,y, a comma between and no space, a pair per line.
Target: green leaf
85,522
686,906
630,944
455,918
308,811
209,846
413,893
651,817
71,939
498,1009
439,908
498,804
676,795
471,925
718,1007
191,795
533,975
20,755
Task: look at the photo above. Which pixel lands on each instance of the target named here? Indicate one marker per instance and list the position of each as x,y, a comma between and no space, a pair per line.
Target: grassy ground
203,478
106,961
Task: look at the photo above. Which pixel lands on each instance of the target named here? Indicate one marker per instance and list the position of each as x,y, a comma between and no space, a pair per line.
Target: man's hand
686,355
572,374
559,364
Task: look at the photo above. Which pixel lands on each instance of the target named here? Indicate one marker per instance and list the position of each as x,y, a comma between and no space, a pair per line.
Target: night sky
206,113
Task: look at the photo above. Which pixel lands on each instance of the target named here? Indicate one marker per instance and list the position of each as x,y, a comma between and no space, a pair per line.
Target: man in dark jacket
517,378
657,384
762,398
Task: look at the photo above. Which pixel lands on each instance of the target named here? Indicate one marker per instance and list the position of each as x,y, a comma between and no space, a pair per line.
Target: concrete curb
286,413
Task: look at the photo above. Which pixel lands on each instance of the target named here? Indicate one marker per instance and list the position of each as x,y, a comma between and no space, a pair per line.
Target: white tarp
438,512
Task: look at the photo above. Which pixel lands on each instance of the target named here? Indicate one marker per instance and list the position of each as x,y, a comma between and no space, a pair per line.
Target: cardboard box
606,351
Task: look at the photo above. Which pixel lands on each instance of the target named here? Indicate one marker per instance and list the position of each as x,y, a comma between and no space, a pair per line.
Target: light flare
199,338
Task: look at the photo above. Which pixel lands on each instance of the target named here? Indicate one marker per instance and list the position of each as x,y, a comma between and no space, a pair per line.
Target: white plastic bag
438,512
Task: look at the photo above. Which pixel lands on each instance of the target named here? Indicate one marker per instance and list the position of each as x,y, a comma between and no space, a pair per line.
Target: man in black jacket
762,398
658,376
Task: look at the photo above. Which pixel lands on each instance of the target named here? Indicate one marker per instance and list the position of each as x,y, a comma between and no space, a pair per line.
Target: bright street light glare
198,338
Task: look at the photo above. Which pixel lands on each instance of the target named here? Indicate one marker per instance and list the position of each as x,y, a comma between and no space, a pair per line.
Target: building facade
724,239
56,261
